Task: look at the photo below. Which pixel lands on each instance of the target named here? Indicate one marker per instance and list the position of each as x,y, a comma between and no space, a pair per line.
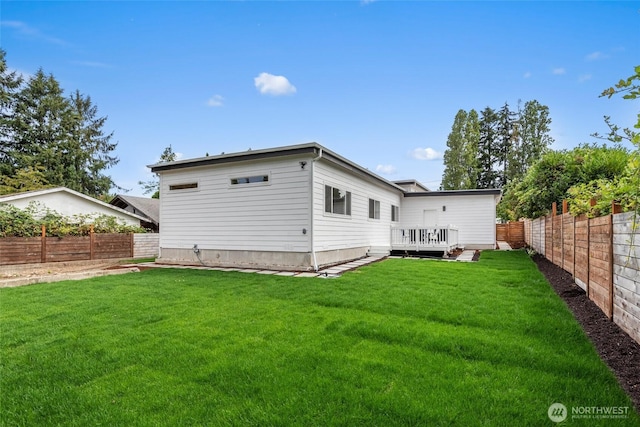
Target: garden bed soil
617,349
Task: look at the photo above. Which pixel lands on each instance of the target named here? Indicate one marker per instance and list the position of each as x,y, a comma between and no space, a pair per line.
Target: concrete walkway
466,256
504,246
333,271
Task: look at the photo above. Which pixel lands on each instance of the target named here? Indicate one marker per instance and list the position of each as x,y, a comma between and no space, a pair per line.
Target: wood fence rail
25,250
602,254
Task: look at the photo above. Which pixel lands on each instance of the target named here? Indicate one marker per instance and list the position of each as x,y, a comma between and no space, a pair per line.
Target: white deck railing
424,238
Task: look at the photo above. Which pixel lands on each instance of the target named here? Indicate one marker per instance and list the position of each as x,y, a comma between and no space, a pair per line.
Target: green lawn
401,342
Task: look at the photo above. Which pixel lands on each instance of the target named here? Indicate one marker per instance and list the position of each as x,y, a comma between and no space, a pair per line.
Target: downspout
311,180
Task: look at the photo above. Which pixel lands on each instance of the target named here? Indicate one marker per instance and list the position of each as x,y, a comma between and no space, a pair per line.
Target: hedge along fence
25,250
602,254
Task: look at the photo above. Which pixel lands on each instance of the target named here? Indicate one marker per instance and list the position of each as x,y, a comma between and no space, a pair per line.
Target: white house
301,207
68,203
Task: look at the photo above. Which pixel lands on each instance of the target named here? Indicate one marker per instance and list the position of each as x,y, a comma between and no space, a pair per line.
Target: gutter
311,179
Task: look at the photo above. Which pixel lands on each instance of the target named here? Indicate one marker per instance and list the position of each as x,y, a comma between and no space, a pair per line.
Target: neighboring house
144,206
68,203
302,207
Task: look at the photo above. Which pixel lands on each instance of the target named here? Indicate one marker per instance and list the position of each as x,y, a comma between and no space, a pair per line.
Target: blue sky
379,82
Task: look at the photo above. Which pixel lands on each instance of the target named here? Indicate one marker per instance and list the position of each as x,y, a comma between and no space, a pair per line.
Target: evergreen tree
10,83
506,144
488,152
60,137
153,185
90,146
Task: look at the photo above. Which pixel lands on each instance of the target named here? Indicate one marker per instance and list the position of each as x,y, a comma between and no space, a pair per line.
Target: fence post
616,208
554,212
131,235
43,244
92,241
611,261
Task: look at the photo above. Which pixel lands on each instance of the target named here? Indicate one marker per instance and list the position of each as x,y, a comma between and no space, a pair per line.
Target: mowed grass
401,342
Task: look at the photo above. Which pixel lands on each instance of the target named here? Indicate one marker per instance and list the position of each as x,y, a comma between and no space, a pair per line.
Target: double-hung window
337,201
395,213
374,209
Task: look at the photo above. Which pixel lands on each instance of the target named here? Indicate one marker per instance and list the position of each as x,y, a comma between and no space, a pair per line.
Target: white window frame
374,209
249,183
348,198
395,213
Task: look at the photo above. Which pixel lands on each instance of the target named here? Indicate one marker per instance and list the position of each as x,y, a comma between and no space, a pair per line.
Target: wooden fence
602,254
512,233
26,250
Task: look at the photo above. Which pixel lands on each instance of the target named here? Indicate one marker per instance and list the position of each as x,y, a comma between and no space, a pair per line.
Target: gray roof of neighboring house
35,193
145,206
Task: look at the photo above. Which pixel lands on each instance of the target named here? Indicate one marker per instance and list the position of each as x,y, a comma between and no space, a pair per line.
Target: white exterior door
430,217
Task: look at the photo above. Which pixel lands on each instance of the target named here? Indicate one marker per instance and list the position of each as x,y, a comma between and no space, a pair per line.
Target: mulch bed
617,349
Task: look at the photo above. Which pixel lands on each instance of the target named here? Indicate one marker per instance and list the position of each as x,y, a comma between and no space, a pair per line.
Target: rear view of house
294,208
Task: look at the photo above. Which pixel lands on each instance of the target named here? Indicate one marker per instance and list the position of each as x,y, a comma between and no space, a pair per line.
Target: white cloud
583,78
527,74
425,154
215,101
594,56
268,84
386,169
559,71
92,64
25,30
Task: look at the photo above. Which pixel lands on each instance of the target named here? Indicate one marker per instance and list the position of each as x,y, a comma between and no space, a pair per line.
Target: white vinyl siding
251,216
332,232
474,215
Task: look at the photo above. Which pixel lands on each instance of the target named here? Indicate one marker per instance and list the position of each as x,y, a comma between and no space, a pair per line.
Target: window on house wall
183,186
374,209
337,201
395,213
250,179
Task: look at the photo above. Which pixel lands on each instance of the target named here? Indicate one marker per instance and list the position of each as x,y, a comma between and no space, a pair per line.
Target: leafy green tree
550,179
470,158
455,170
153,185
534,138
625,188
26,179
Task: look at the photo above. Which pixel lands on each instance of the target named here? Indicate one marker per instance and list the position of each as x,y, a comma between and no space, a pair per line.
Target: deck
424,238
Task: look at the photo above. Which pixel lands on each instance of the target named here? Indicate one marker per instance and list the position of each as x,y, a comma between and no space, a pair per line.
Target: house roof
481,191
144,205
311,148
411,182
36,193
317,150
